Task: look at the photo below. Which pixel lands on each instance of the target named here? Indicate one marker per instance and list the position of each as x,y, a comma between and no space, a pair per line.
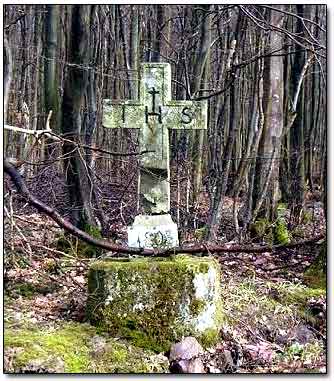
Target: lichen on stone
155,301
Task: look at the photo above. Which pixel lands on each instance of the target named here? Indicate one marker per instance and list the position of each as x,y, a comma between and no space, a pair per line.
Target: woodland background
239,58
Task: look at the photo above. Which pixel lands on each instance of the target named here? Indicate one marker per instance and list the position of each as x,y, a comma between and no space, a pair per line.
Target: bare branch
215,93
51,135
105,244
266,26
293,15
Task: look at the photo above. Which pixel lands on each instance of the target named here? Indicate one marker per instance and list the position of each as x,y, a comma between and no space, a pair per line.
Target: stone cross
154,114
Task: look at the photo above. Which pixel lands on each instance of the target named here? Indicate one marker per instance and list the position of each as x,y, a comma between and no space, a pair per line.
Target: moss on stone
85,249
71,343
271,233
281,232
209,338
201,233
67,342
197,306
140,299
141,339
259,227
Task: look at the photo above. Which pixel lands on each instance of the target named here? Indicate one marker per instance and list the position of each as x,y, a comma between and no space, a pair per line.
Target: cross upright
154,114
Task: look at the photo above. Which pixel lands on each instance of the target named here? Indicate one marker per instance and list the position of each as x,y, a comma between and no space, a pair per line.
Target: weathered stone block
156,301
158,231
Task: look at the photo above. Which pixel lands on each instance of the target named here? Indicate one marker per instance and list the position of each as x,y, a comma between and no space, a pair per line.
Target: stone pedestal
158,231
156,301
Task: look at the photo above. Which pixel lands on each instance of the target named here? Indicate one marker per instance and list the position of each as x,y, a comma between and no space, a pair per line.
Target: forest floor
276,321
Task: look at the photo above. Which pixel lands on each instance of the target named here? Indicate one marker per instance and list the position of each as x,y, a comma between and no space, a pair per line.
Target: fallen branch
22,189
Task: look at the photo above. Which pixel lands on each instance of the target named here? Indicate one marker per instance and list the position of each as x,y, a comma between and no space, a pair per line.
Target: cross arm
189,115
122,114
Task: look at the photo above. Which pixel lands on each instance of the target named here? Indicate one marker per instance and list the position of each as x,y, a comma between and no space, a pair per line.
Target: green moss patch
262,228
315,276
271,232
72,346
281,232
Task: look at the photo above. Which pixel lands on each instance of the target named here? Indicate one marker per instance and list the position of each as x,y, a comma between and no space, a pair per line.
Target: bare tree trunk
297,133
200,77
37,89
217,203
51,95
8,68
134,51
76,171
156,45
267,166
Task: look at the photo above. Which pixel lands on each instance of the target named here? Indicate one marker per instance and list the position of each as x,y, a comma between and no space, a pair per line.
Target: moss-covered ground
74,348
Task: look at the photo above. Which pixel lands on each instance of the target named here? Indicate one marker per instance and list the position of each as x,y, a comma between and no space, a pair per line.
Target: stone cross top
153,115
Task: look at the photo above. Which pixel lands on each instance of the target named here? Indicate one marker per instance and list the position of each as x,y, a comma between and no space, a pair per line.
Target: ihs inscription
154,114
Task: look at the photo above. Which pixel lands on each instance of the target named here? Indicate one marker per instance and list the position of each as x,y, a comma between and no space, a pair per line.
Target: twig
55,251
13,225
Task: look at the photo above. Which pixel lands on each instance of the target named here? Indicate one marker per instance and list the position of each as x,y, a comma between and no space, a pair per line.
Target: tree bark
51,84
265,194
8,69
75,166
134,52
297,179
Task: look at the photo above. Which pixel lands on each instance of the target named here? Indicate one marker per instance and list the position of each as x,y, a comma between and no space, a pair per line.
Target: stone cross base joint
156,231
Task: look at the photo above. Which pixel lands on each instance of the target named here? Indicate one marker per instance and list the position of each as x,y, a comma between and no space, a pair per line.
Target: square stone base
156,301
158,231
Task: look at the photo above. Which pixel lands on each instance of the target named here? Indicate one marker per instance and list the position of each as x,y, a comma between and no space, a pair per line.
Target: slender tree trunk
200,77
76,171
134,51
51,97
265,193
297,133
157,42
8,68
